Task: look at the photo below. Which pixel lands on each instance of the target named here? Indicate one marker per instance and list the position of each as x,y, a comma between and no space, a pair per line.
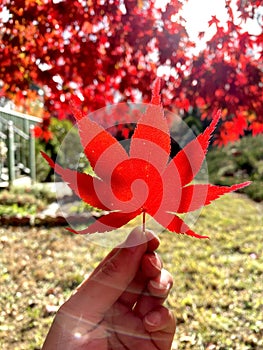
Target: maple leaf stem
143,221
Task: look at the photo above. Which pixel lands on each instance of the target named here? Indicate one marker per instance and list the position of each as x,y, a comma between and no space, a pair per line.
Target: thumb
109,280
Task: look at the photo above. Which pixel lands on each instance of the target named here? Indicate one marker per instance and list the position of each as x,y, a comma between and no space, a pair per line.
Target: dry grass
217,294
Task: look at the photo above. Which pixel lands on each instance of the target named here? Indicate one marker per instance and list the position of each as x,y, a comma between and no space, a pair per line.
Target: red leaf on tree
213,20
45,135
257,128
145,181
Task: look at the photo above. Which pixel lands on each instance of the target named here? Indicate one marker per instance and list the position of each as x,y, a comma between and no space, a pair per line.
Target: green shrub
64,143
25,201
237,162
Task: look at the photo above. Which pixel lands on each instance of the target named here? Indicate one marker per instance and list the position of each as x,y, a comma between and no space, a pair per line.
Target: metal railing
16,131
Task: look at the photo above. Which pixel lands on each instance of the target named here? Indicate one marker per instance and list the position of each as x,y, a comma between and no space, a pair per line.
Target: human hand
119,306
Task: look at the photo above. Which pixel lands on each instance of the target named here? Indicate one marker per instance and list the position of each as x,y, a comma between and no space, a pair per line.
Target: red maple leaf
145,181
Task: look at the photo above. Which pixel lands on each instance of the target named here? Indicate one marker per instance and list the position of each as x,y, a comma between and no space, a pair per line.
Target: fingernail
153,319
155,261
160,285
134,239
151,235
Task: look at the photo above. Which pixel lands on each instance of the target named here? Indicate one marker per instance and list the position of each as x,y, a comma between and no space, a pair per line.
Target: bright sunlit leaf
145,181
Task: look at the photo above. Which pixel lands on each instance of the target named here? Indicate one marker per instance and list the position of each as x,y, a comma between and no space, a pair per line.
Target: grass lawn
217,294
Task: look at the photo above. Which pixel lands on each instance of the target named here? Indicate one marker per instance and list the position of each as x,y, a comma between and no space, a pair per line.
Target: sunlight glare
197,14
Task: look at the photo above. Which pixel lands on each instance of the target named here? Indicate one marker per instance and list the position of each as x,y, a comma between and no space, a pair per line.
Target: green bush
64,143
237,162
24,201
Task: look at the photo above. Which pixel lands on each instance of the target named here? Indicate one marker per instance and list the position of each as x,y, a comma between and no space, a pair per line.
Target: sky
197,13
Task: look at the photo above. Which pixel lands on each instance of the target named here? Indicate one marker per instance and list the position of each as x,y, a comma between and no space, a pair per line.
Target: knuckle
110,268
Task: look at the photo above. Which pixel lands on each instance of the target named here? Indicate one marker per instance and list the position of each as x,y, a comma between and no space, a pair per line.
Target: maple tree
104,51
144,180
227,74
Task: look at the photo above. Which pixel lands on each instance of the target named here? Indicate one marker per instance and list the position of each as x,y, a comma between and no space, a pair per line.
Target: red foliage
42,132
228,75
109,50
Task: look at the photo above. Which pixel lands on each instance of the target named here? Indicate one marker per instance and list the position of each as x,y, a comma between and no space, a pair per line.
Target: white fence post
11,152
32,154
